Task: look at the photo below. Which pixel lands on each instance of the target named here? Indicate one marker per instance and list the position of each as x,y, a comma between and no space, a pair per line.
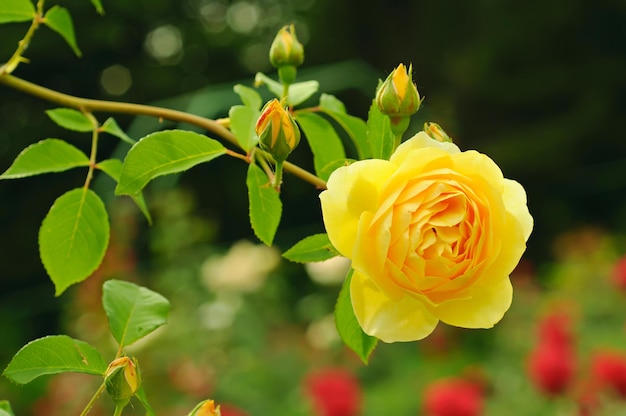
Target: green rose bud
435,131
398,96
277,130
122,378
286,50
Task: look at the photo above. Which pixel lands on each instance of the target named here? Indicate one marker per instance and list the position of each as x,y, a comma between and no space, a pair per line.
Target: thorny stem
90,105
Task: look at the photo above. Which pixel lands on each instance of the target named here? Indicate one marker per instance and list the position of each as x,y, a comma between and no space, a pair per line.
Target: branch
90,105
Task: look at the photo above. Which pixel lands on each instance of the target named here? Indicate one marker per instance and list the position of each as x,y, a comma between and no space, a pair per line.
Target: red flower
552,367
609,369
555,329
619,273
552,363
231,410
333,392
453,397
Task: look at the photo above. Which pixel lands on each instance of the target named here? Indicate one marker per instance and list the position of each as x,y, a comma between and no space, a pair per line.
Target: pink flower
333,392
609,369
453,397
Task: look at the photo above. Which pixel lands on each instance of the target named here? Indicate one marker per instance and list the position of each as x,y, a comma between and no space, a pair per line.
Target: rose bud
398,96
435,132
122,378
286,53
286,49
206,408
277,130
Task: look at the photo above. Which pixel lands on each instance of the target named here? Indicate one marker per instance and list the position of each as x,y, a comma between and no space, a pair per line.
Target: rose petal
351,190
512,246
421,141
483,309
390,321
472,164
370,254
514,197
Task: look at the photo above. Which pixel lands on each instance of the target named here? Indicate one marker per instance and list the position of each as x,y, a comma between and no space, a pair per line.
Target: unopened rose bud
206,408
122,378
286,54
435,131
286,49
277,130
398,96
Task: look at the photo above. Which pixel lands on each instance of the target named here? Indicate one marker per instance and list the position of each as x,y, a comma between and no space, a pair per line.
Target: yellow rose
433,234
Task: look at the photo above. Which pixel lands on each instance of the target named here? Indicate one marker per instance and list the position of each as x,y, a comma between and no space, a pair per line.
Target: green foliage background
538,86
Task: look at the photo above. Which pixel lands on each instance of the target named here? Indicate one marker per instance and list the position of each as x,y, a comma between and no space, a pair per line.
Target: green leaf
249,96
59,19
16,11
323,139
348,326
316,247
379,134
353,126
5,408
70,119
113,168
73,237
298,92
275,87
53,355
46,156
98,5
264,203
242,123
141,396
162,153
331,103
301,91
356,130
133,311
110,126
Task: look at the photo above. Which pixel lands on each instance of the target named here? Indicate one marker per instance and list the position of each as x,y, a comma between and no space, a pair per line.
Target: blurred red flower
609,369
619,273
333,392
453,397
231,410
552,368
552,364
555,329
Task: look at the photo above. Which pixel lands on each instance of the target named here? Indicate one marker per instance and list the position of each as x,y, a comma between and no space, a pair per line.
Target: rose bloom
453,397
433,234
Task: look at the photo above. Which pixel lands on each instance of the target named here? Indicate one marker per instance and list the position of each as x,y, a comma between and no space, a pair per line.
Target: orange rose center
435,234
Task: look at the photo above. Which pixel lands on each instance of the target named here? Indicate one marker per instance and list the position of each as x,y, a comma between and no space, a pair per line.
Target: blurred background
538,86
